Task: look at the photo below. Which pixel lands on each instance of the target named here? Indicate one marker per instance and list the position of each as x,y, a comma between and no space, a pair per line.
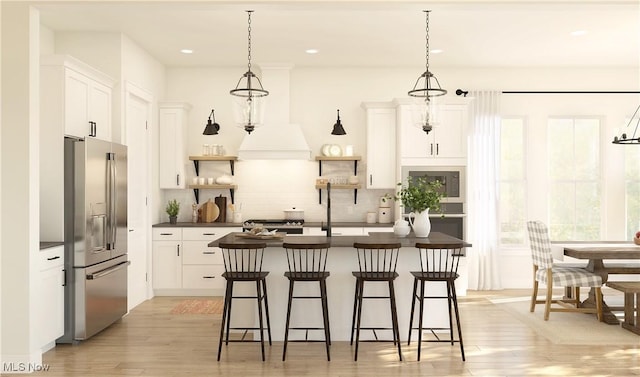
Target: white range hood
276,138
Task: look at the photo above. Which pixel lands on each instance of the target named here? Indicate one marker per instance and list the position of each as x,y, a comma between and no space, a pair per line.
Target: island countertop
435,238
341,262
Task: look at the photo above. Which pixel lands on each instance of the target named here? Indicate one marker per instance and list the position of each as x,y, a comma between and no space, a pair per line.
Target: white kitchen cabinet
446,144
172,122
184,264
202,266
167,258
381,145
50,297
77,96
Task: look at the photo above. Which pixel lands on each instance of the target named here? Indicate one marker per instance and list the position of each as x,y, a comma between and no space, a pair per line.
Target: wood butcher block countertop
347,241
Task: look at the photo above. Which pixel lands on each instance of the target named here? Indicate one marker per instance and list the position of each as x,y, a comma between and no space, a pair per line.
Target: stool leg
449,299
266,308
455,306
286,328
394,318
325,316
359,295
355,309
227,299
421,314
413,306
229,313
259,299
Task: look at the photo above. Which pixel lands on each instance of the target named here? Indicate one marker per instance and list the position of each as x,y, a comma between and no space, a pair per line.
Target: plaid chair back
540,244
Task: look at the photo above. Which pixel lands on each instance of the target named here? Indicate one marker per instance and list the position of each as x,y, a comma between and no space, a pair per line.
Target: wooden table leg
597,267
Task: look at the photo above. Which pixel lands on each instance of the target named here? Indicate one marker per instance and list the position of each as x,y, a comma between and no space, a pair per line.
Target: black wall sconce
460,92
211,128
337,128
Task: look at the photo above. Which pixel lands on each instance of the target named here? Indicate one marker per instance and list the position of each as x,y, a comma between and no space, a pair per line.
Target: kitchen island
341,262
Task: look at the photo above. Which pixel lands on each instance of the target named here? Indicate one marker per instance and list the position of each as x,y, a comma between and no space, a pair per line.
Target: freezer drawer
101,296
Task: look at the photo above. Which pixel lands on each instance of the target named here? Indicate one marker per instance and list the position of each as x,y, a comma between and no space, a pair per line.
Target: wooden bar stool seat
307,263
438,263
377,263
243,263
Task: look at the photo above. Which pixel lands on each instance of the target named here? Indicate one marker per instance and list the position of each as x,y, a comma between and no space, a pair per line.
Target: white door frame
130,90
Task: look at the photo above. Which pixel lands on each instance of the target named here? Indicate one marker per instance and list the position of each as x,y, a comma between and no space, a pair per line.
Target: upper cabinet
173,144
381,145
446,144
77,96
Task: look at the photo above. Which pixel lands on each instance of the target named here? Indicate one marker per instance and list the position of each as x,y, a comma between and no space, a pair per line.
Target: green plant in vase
420,196
173,208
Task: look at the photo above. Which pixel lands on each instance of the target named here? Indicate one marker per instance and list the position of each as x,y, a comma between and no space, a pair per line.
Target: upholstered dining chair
544,271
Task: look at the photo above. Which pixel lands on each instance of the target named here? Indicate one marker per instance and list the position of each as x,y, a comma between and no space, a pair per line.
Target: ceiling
367,33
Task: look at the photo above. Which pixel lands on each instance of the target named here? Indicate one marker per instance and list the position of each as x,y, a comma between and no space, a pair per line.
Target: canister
384,215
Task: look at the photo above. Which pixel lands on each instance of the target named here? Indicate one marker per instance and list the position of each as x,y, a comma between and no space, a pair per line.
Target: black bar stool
307,262
377,263
243,263
438,263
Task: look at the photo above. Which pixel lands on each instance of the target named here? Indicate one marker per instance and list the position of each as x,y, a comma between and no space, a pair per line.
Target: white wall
20,181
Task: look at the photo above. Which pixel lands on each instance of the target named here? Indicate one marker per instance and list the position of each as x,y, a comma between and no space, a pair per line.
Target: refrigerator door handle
111,188
108,271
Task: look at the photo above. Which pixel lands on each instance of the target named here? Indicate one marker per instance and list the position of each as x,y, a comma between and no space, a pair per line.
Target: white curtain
483,189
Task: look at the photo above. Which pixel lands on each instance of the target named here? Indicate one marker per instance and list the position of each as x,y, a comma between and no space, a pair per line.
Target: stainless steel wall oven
453,204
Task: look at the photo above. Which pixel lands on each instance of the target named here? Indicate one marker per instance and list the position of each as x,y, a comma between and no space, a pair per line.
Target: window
574,178
512,199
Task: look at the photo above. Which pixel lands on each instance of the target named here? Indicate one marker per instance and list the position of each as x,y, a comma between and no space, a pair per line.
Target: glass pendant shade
211,128
426,87
424,114
248,112
337,127
248,104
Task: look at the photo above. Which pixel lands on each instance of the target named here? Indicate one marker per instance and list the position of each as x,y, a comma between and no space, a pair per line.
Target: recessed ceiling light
186,51
311,51
578,33
436,51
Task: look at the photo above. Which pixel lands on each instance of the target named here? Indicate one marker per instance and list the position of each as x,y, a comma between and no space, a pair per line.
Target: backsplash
268,187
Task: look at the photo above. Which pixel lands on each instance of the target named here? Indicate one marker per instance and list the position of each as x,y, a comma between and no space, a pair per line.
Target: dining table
604,259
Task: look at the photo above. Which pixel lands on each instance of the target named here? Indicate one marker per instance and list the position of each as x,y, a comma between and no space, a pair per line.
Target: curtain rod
465,92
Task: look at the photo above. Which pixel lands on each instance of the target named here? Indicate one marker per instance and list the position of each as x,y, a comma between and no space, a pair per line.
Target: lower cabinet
50,297
167,258
183,264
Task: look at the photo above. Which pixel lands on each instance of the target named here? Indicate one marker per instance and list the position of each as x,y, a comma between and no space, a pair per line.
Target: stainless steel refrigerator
95,179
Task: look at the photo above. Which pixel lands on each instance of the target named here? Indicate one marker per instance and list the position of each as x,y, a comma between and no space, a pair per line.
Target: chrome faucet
327,227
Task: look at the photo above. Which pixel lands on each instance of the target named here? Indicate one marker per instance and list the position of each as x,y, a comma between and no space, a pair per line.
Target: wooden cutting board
210,211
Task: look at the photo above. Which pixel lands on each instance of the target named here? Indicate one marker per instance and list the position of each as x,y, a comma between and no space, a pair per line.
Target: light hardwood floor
150,341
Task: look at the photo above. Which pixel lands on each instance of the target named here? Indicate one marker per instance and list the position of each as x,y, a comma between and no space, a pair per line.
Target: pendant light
426,87
635,137
249,107
211,128
337,128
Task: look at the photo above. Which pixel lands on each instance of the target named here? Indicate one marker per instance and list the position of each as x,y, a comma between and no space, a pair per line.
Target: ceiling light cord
249,40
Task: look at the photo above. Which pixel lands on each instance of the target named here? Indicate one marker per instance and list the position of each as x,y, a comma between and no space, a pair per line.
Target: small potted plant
420,196
173,207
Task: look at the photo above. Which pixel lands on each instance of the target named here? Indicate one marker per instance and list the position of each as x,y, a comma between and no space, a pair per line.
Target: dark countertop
197,225
348,224
306,224
50,244
346,241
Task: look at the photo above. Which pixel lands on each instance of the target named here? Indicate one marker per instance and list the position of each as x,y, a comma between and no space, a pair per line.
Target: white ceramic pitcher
421,224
